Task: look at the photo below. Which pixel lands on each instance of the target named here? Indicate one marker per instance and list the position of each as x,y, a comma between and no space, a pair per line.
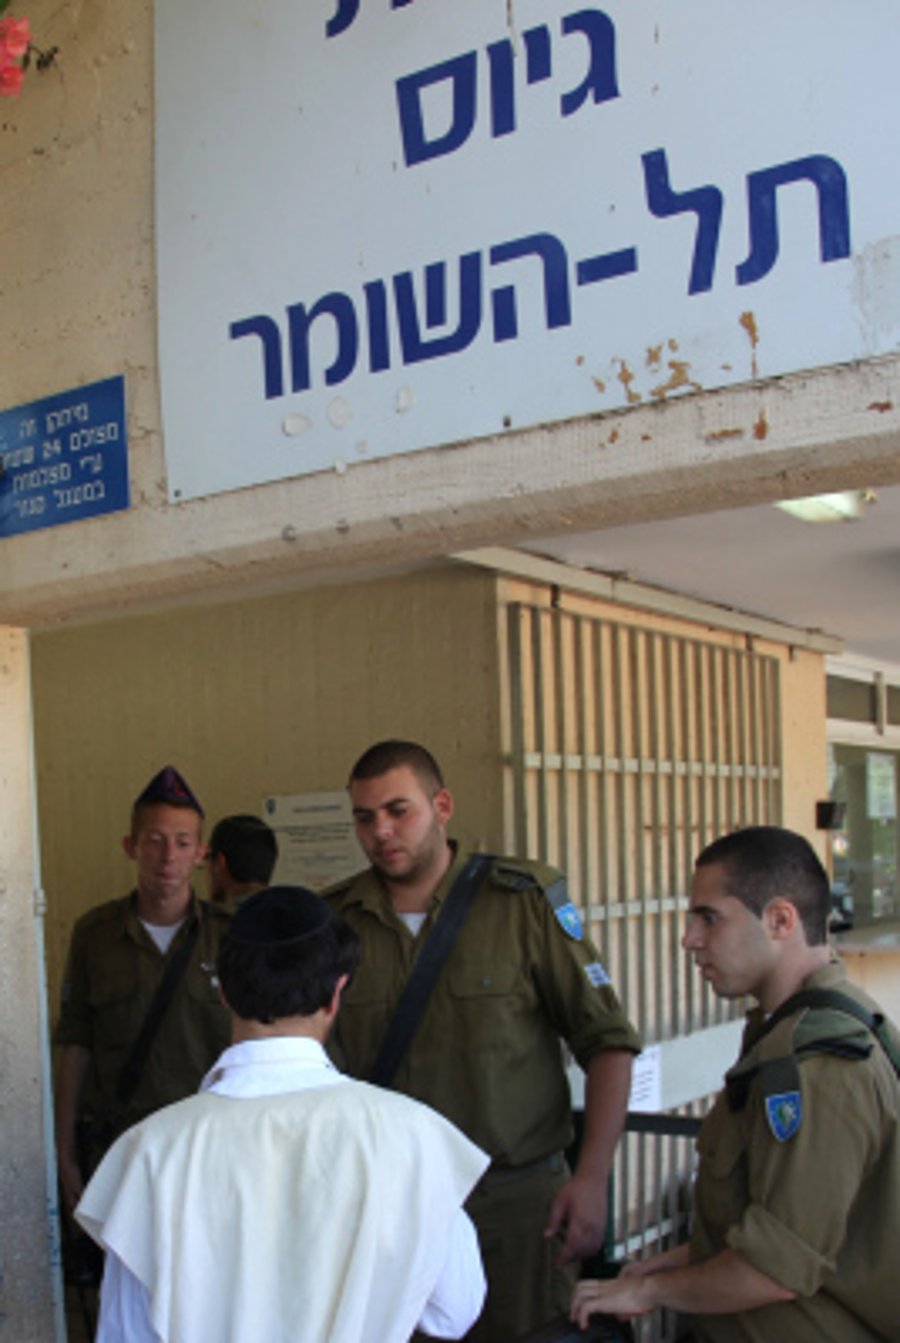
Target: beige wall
276,695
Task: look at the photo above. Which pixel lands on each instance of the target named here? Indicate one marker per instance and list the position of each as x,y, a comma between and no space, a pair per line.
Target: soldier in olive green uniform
119,953
797,1199
486,1054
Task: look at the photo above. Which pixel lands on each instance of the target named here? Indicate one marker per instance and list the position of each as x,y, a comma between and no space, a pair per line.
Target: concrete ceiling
841,578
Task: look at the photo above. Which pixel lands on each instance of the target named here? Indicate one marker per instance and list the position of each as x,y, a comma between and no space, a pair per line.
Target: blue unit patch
597,975
569,920
785,1114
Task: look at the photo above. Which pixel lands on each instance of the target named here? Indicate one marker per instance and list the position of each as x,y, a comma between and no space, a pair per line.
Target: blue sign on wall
63,458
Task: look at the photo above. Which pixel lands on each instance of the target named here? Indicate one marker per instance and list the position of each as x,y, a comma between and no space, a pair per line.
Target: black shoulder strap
426,971
134,1064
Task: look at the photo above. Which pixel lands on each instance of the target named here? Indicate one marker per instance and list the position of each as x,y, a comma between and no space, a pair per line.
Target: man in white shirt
286,1202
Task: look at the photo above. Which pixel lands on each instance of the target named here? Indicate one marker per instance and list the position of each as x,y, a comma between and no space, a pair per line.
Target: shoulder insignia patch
567,916
784,1114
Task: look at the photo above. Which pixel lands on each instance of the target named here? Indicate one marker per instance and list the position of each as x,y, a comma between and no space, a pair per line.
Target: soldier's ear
781,917
443,805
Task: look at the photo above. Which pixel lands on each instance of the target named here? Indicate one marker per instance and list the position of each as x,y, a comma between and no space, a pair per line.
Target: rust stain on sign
881,406
761,427
614,436
678,378
748,322
654,356
600,385
720,435
626,378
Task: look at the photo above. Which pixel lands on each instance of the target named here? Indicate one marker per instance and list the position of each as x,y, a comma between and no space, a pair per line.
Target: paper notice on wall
646,1081
317,843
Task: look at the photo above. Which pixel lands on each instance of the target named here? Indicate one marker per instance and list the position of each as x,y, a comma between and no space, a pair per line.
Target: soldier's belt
495,1175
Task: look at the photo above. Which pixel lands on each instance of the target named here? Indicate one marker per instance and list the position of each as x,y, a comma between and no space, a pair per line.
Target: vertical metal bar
755,753
778,770
580,683
623,884
515,617
561,706
689,747
715,733
638,709
708,691
675,819
658,831
604,879
540,731
743,762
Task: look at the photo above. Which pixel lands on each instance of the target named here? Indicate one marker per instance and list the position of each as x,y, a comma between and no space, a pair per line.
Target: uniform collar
370,891
131,921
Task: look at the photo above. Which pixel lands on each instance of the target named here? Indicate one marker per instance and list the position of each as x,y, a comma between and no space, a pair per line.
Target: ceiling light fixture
848,506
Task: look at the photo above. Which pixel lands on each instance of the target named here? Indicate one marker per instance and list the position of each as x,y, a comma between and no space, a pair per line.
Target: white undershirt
163,934
413,921
275,1067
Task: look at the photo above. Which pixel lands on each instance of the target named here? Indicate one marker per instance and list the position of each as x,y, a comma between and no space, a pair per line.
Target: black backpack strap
426,971
134,1064
782,1074
835,1001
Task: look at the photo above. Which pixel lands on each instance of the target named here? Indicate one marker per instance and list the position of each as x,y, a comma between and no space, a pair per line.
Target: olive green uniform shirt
819,1212
487,1051
112,974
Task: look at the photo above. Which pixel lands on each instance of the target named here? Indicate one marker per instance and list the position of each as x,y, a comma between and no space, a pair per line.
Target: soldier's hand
578,1214
613,1297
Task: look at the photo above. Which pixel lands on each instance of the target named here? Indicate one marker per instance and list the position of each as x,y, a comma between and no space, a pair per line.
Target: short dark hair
762,862
248,846
268,982
394,754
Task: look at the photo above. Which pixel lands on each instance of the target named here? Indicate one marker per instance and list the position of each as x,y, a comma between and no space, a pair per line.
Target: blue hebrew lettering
828,177
414,347
461,72
557,306
503,110
501,62
377,326
267,330
705,202
300,319
607,266
601,76
347,11
537,53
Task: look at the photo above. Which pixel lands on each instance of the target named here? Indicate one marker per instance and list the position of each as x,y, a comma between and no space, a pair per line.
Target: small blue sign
64,458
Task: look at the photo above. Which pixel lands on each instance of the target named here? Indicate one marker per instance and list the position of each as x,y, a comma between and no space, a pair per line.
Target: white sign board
317,842
385,225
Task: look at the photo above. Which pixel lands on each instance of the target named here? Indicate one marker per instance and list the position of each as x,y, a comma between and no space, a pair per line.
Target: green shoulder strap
836,1001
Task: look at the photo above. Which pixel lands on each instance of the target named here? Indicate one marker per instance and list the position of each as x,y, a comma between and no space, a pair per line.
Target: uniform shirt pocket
722,1190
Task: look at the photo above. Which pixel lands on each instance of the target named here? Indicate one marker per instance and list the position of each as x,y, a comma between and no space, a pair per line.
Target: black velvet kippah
279,916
